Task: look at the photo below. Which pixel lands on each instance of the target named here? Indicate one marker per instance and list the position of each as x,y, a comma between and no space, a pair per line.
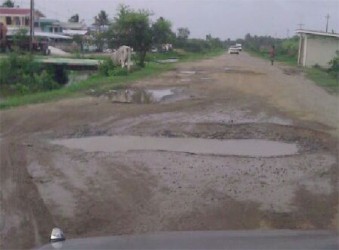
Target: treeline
286,48
136,29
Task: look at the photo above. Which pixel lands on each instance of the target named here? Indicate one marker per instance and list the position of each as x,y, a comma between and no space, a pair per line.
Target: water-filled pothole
137,95
243,147
187,72
169,60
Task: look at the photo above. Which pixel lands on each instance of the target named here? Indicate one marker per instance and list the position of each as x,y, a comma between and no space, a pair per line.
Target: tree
183,33
132,28
8,4
101,19
162,32
74,18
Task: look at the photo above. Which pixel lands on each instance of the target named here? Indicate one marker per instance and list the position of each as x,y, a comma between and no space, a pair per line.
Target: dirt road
88,190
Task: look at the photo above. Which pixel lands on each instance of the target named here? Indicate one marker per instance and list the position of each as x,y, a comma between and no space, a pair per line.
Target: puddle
170,60
188,72
159,94
111,144
137,96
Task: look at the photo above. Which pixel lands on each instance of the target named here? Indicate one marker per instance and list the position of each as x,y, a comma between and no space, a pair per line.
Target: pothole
137,95
187,72
170,60
242,147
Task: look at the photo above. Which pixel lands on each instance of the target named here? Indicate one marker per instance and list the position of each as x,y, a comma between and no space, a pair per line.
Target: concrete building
17,18
317,48
48,25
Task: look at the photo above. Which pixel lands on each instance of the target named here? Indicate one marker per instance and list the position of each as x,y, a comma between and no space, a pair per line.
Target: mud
179,186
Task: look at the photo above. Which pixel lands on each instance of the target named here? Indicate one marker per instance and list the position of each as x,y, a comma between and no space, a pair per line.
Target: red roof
18,11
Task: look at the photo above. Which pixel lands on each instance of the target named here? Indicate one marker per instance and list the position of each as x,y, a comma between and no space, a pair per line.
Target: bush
334,66
22,75
106,67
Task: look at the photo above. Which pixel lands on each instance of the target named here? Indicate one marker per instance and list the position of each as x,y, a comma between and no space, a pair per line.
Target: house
317,48
48,25
73,29
17,18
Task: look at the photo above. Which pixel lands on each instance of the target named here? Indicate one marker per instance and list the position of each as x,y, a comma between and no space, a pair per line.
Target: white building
317,48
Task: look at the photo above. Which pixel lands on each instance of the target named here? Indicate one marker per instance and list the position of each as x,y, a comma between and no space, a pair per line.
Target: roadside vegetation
287,52
108,77
23,80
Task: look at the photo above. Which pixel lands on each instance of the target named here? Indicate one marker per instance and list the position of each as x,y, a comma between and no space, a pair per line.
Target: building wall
320,50
15,21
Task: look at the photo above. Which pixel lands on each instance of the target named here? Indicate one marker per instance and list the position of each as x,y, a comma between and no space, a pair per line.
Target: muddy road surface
221,144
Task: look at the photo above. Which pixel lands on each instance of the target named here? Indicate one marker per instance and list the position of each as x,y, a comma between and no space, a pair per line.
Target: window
8,20
26,21
17,21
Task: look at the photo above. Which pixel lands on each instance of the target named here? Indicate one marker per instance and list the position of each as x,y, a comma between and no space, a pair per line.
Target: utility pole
327,17
31,27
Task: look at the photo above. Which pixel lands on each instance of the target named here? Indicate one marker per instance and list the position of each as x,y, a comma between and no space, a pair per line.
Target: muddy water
139,96
170,60
159,94
253,148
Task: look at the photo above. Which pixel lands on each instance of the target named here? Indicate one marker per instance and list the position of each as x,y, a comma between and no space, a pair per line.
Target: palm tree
74,18
101,19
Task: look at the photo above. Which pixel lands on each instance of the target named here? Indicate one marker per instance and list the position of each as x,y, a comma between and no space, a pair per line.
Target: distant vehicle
233,50
239,46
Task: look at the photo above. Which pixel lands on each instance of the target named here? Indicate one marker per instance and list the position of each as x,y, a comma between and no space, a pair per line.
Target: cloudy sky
221,18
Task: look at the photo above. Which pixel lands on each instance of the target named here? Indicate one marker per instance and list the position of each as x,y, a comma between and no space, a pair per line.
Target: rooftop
18,12
318,33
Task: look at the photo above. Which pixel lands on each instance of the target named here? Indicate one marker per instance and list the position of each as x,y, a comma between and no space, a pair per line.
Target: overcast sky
220,18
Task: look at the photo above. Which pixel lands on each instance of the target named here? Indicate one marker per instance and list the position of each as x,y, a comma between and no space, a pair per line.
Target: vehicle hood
255,239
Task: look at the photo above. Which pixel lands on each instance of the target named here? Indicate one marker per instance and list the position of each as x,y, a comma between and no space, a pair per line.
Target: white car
238,46
233,50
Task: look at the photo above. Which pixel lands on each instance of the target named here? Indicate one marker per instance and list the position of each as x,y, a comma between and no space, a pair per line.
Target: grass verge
324,79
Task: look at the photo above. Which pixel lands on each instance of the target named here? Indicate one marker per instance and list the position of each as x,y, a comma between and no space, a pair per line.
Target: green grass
324,79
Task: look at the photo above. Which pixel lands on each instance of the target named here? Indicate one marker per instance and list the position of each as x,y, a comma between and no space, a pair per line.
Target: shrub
334,66
21,75
106,67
